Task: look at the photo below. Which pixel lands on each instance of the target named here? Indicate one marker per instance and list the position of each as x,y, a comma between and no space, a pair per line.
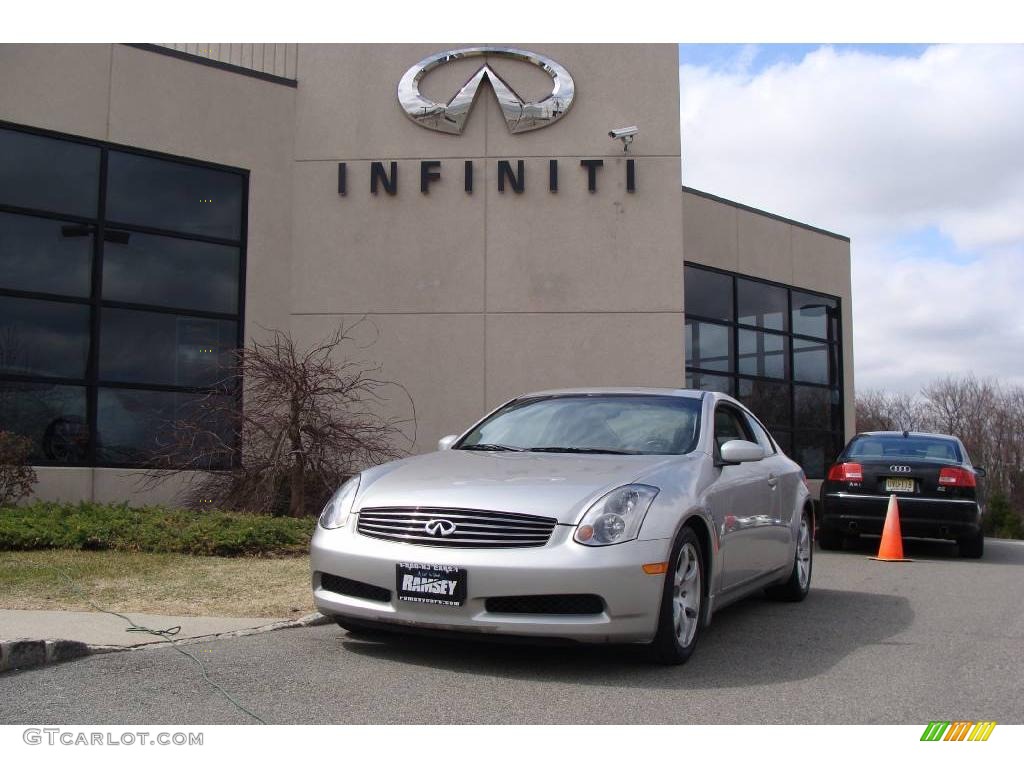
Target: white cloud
881,148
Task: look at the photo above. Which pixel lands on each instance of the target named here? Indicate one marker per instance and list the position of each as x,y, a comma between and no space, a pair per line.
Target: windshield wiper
488,447
566,449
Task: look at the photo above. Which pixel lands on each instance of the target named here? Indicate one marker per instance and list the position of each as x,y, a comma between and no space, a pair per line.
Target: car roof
664,391
899,433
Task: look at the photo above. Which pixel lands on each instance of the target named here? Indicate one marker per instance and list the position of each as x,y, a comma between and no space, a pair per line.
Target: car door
782,479
739,502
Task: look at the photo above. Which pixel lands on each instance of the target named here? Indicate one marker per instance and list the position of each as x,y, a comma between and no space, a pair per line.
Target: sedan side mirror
980,471
446,442
740,451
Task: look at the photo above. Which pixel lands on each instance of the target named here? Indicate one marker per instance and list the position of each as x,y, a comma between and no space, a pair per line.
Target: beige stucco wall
478,297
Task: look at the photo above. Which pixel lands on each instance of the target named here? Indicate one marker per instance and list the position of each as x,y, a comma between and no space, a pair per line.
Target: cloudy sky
915,152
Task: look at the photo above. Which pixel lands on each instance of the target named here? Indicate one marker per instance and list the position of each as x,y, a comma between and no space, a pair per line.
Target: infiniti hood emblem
439,527
520,116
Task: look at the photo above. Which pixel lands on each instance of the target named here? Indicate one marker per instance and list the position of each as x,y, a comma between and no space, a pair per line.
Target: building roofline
759,212
203,61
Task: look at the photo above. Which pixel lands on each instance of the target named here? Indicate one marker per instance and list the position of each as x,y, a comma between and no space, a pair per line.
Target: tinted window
814,451
709,382
132,425
45,256
899,447
766,306
729,425
816,408
815,315
49,174
53,416
158,348
708,345
762,354
174,196
811,361
43,338
708,294
768,400
170,272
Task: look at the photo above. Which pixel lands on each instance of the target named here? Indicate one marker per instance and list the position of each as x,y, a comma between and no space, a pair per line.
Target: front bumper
919,517
631,597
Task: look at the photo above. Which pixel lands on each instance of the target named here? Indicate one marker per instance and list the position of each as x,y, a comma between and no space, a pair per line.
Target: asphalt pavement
941,638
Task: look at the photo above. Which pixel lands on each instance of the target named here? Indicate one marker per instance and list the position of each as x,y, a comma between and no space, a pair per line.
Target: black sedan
931,475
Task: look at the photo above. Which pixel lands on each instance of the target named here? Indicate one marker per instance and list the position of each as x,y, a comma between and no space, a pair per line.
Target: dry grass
171,584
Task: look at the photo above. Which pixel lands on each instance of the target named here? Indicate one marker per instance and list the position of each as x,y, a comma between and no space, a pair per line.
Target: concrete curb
25,653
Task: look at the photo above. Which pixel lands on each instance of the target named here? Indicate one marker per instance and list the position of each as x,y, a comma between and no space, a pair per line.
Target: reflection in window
768,400
48,174
43,338
45,256
171,272
760,304
160,348
810,362
762,354
814,451
709,382
816,316
53,416
179,197
708,345
708,294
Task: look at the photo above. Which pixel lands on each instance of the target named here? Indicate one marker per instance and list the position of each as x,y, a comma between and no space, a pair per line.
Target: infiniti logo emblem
899,468
439,527
520,116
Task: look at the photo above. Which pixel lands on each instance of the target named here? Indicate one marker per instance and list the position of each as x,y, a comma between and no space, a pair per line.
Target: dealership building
161,205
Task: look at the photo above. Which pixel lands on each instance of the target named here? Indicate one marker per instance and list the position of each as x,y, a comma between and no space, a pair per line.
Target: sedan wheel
682,603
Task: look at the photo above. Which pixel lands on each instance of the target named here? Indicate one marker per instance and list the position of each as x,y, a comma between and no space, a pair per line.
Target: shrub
47,525
1001,520
17,477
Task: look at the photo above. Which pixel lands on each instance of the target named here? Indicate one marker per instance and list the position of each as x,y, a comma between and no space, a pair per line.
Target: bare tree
887,411
17,477
285,428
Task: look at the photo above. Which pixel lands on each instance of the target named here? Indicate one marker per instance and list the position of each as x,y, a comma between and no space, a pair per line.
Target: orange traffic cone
891,548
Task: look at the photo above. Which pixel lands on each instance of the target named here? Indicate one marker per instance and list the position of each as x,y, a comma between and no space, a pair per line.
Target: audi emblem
439,527
899,468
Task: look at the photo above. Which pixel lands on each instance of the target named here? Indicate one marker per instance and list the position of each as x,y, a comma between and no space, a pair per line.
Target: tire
830,539
687,599
798,584
972,546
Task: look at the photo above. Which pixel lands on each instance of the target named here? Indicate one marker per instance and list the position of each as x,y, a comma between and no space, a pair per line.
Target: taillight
955,476
847,472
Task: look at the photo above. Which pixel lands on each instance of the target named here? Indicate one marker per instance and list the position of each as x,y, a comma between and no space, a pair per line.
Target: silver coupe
594,515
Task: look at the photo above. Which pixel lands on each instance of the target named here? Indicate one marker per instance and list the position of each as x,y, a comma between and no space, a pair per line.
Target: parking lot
936,639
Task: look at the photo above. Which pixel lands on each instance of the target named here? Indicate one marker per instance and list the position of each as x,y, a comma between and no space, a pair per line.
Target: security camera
622,133
625,135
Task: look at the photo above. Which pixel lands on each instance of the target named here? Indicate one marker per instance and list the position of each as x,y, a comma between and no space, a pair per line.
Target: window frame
834,348
99,227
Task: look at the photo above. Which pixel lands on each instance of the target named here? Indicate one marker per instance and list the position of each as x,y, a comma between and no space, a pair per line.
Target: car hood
547,484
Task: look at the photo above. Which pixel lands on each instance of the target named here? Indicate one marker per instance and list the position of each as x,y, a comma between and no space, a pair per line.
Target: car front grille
550,604
353,588
467,528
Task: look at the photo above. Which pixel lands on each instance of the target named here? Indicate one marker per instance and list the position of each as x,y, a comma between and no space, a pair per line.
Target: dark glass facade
121,293
777,349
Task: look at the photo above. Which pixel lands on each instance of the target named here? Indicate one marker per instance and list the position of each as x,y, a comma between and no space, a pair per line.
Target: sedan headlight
616,516
339,507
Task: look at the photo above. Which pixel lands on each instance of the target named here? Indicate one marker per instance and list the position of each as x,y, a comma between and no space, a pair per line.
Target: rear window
899,447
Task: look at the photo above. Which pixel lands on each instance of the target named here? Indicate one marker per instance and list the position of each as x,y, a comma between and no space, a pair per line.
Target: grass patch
161,583
89,526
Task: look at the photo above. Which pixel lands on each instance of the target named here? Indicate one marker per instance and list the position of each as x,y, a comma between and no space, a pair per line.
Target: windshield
899,447
632,424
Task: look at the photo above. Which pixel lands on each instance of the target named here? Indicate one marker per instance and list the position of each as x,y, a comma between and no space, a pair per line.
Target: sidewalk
31,638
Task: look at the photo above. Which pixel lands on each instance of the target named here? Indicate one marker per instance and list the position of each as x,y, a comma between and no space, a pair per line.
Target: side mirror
446,442
980,471
740,451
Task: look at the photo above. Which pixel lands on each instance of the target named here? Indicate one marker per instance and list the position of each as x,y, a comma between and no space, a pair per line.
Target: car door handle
773,481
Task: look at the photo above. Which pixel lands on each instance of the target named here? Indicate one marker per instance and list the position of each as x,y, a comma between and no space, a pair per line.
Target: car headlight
616,516
338,508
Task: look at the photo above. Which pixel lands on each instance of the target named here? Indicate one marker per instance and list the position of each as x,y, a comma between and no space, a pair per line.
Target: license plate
899,484
436,584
